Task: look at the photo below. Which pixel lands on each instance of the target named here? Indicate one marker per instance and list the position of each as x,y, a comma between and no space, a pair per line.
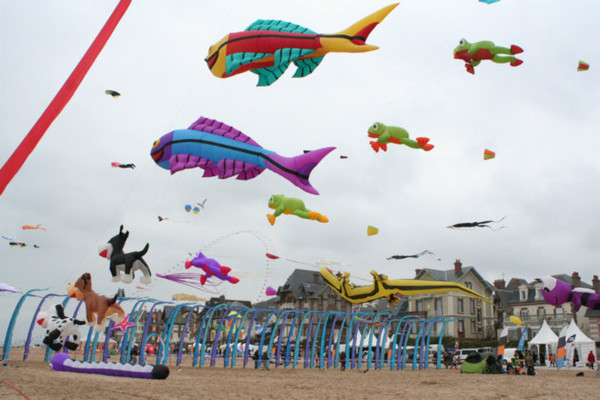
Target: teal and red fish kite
223,151
268,47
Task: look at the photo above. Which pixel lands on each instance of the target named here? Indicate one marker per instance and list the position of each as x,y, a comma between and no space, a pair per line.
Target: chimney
576,279
418,271
596,284
457,268
500,284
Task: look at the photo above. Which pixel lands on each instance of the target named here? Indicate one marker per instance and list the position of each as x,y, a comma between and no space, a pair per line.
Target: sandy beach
38,381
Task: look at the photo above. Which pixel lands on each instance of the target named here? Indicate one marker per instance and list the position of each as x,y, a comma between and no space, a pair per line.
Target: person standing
343,360
591,359
256,358
265,361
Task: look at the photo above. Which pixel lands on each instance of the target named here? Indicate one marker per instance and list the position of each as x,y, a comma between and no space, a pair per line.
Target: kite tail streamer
17,159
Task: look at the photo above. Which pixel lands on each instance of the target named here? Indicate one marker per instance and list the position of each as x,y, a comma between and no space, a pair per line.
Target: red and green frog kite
394,134
473,53
291,205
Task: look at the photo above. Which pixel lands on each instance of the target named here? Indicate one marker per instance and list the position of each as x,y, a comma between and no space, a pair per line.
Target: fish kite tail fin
358,33
297,169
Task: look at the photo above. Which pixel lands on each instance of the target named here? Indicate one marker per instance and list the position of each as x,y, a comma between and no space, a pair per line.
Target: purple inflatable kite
62,362
211,267
557,292
223,151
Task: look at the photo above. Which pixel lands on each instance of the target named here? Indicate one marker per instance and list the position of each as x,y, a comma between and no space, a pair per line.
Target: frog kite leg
393,134
291,205
473,53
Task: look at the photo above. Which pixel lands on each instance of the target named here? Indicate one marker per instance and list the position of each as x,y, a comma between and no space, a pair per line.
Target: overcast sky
541,119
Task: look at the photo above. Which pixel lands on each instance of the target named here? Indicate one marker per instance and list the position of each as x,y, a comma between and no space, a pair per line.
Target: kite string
15,388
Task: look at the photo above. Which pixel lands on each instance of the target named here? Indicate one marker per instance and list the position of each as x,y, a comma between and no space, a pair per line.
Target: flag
522,340
502,341
560,352
570,350
456,347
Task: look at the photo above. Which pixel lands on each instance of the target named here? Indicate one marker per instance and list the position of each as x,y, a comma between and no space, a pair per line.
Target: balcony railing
538,319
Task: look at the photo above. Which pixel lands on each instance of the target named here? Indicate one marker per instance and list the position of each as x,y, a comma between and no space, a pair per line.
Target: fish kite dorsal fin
277,26
215,127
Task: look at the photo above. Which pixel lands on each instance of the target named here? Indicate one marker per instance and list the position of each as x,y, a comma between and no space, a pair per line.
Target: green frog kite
291,205
394,134
473,53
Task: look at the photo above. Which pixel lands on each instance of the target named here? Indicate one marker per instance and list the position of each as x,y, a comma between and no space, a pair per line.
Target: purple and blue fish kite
224,151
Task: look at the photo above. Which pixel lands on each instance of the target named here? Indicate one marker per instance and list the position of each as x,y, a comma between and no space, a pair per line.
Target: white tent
545,339
583,344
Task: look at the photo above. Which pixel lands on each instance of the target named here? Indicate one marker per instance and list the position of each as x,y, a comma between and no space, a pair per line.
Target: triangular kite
488,154
583,66
371,230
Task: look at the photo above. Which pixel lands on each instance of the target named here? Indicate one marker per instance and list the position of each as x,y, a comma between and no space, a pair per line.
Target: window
541,313
419,305
460,306
473,326
469,285
472,305
439,308
437,328
524,314
332,301
461,327
523,294
559,311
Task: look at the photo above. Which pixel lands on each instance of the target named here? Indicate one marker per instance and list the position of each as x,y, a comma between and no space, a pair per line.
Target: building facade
476,317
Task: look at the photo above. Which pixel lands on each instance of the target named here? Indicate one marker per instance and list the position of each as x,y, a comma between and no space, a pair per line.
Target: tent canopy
580,337
583,344
545,336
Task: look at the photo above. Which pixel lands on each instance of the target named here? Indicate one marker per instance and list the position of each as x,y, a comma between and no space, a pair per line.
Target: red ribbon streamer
17,159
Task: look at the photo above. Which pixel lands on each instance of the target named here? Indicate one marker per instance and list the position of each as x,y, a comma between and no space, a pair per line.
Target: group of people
516,365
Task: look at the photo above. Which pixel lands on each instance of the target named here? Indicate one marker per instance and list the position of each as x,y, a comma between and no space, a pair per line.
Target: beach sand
38,381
